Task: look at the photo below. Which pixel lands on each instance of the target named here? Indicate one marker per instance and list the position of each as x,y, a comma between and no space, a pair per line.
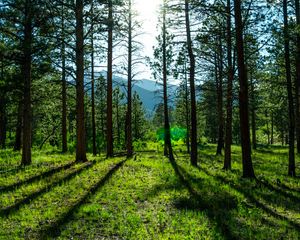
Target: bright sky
147,11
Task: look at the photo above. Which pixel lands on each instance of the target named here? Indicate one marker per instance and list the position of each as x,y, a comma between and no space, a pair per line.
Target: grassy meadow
147,197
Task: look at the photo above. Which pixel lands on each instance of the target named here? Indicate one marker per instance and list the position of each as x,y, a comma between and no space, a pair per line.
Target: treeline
237,61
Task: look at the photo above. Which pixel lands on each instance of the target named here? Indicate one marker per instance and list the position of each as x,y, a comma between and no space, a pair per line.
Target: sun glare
147,9
148,14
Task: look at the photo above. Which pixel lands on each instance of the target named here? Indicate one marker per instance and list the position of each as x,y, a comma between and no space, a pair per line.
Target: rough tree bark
291,167
230,77
194,145
248,171
80,125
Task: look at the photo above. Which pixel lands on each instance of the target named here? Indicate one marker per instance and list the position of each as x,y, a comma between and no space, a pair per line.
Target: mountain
143,86
148,84
149,91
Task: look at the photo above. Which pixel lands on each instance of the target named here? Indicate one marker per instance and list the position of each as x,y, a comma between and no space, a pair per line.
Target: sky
147,11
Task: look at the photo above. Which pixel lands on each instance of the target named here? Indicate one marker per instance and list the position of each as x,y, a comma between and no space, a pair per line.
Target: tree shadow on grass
55,228
8,170
292,201
36,177
13,169
250,196
219,205
291,198
270,151
217,209
288,188
28,198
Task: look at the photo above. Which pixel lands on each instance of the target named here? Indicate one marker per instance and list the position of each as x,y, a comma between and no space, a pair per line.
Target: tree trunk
220,99
297,84
253,115
129,88
187,112
80,125
194,145
167,136
291,168
93,84
248,170
230,76
109,123
18,139
27,58
64,91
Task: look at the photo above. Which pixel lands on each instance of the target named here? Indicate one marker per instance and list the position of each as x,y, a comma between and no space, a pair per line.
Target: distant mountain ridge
149,91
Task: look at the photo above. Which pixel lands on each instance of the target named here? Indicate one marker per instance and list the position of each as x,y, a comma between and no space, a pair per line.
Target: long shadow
282,185
12,208
198,203
268,146
271,187
274,200
263,182
54,229
270,151
12,169
6,171
252,199
35,177
276,196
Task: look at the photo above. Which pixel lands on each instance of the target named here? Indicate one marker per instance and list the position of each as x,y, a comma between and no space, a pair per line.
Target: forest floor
147,197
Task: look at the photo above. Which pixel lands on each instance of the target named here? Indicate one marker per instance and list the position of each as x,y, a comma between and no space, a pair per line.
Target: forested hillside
93,147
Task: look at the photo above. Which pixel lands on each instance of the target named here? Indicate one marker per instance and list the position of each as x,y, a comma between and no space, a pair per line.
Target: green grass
147,197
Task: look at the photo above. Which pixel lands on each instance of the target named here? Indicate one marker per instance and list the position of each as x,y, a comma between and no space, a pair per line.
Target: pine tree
80,119
248,170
